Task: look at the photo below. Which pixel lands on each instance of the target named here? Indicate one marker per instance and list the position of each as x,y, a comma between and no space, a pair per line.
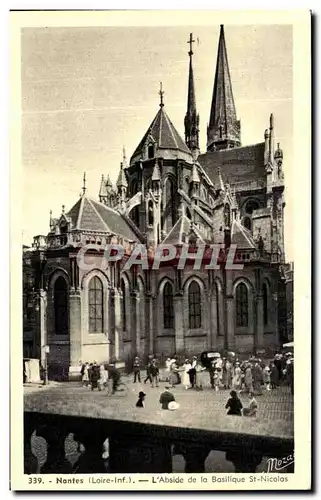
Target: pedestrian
102,382
141,400
274,376
167,368
154,372
113,378
211,371
248,378
148,373
136,369
199,382
165,398
237,378
186,378
257,374
229,373
267,377
251,410
234,405
192,372
216,381
219,368
95,375
85,374
174,377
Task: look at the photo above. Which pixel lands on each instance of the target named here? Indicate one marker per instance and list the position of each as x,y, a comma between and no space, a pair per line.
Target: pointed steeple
103,190
121,181
109,184
224,130
191,121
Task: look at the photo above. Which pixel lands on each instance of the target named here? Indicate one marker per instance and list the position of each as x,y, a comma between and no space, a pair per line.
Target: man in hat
141,400
136,369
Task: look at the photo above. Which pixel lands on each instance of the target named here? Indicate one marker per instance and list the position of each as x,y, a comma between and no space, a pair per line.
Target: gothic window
150,213
217,305
242,305
227,215
170,203
265,305
61,306
250,206
124,305
247,222
151,151
168,306
194,305
96,305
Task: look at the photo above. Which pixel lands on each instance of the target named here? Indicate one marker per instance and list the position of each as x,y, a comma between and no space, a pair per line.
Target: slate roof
164,133
241,237
90,215
180,228
237,164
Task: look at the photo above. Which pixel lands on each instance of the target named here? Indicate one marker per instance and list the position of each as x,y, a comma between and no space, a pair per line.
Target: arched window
168,306
194,305
217,304
124,305
96,305
61,307
250,206
227,215
150,213
242,305
247,223
170,204
151,151
265,305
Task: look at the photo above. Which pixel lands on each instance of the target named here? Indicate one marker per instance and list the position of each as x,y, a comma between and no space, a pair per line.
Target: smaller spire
121,181
50,218
63,209
108,182
84,184
161,94
103,189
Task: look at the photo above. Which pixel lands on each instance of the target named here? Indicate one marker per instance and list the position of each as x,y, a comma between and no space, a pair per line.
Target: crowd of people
251,376
100,376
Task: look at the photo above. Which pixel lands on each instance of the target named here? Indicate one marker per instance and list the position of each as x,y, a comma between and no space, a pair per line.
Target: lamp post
45,374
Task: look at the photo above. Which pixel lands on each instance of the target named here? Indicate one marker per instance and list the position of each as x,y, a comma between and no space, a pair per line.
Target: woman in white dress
186,379
85,376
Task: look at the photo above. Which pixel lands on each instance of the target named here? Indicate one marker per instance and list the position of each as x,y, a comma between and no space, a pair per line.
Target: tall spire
191,121
224,130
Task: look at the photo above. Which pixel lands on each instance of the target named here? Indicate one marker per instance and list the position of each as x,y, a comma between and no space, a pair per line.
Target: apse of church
168,193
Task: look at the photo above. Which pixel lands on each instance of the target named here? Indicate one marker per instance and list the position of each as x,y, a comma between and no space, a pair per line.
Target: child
251,411
141,400
136,369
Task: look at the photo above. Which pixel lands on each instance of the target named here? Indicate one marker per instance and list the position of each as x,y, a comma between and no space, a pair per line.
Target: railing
141,445
249,185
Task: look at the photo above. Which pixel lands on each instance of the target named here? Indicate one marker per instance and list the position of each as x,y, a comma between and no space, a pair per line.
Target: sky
88,91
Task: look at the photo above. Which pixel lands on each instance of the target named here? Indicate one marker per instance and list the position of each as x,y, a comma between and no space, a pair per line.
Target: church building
170,193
